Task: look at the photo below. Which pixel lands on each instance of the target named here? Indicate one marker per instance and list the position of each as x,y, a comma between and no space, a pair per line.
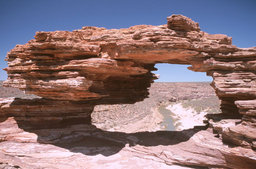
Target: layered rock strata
95,66
84,146
43,113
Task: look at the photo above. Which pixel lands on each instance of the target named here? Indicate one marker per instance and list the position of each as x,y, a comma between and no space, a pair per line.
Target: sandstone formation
76,70
42,113
84,146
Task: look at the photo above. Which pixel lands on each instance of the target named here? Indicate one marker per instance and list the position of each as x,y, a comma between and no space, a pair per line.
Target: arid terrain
144,116
95,108
13,92
147,114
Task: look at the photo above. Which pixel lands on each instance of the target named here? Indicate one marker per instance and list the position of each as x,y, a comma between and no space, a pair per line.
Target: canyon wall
76,70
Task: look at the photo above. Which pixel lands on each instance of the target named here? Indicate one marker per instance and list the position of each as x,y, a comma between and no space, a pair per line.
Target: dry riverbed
170,106
187,114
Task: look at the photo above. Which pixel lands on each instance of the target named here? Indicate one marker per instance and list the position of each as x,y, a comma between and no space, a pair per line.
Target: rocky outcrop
43,113
91,66
96,63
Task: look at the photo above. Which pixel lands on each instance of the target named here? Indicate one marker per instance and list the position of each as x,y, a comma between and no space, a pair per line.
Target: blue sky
20,19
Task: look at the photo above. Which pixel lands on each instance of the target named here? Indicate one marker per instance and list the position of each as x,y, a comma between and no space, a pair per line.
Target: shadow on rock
89,140
67,124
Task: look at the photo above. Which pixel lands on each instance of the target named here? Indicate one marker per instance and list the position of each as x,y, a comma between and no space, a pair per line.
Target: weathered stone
77,61
80,145
45,113
182,23
95,66
247,107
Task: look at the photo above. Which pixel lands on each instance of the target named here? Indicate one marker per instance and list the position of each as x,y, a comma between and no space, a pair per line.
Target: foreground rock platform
83,145
80,69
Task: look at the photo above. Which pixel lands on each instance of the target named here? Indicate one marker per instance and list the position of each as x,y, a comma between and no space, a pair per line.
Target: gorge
72,72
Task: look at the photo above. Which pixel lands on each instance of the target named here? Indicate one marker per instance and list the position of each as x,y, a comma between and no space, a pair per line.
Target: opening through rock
178,100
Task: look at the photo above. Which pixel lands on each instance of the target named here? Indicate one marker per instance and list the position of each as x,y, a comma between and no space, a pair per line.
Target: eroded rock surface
76,70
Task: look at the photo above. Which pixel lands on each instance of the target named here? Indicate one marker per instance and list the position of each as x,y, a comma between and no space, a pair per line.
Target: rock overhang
114,66
92,56
74,71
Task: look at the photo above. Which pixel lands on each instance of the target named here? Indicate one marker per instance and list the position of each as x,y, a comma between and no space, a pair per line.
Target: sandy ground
185,118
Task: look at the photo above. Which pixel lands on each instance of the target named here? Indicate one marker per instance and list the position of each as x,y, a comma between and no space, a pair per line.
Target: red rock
97,65
182,23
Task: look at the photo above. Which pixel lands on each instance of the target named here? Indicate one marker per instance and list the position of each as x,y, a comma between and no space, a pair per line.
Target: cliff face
94,66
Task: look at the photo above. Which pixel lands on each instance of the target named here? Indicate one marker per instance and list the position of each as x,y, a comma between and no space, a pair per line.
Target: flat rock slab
82,146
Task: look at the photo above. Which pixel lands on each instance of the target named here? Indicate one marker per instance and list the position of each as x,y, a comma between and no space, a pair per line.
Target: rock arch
114,66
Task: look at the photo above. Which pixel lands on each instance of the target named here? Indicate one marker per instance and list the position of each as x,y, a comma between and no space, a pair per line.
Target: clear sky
20,19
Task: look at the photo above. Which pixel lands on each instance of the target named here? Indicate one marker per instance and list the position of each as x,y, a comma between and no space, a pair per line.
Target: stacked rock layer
97,65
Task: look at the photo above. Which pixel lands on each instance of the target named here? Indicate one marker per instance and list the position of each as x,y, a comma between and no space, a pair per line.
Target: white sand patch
185,118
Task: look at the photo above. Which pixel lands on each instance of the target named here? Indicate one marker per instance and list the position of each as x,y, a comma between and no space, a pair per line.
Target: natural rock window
74,71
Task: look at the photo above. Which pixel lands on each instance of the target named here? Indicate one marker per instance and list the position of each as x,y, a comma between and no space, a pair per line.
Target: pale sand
185,118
